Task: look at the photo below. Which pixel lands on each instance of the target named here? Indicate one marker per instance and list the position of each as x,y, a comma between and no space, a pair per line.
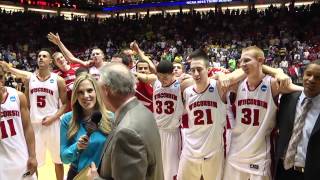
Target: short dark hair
47,50
81,70
165,67
126,60
200,54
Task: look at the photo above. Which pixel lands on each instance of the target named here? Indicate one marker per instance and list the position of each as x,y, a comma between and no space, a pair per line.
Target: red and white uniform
69,77
250,138
202,152
13,148
144,92
168,109
44,101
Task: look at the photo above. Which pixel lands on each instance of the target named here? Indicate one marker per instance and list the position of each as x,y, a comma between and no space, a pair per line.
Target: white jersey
13,148
94,71
167,105
203,135
250,137
44,97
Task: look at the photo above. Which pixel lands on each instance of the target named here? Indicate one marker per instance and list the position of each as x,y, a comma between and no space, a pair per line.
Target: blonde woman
76,147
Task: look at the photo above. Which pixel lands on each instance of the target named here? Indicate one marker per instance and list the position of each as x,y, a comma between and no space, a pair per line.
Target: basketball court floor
47,172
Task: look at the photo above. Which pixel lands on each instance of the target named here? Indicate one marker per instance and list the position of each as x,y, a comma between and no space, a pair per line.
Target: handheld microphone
94,123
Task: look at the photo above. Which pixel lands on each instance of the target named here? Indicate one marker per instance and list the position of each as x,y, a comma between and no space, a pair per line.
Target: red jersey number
41,101
247,116
199,117
168,107
4,133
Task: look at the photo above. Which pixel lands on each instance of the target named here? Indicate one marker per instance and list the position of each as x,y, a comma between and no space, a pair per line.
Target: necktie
296,134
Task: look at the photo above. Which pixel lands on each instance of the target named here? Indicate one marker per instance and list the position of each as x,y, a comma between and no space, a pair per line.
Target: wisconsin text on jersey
45,90
253,102
202,103
166,95
9,113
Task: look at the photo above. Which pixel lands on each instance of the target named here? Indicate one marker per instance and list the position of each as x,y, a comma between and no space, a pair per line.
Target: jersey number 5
247,116
41,101
3,130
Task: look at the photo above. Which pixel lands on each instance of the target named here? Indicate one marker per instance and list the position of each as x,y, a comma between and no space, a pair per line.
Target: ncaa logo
263,88
211,89
176,84
51,81
12,99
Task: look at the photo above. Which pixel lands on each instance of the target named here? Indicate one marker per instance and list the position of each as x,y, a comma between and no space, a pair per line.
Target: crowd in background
289,36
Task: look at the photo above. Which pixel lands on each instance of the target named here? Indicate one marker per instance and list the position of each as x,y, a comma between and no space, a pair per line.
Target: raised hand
54,38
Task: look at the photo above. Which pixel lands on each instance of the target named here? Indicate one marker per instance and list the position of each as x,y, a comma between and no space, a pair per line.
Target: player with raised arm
96,58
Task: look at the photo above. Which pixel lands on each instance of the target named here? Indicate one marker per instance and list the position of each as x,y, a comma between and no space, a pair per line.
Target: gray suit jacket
133,149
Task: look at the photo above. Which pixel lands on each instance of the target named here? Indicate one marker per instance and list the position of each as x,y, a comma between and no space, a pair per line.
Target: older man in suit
133,149
298,146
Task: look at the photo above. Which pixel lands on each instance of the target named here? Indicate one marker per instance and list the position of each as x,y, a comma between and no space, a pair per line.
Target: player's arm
283,79
55,39
186,82
48,120
28,133
146,78
17,72
26,91
62,96
227,80
134,46
278,89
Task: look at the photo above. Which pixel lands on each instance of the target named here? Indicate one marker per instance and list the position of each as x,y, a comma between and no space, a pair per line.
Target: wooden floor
47,172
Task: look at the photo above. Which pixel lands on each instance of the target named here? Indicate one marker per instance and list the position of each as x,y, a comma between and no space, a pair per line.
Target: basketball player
178,69
255,104
96,58
17,142
144,84
202,152
44,90
168,109
67,71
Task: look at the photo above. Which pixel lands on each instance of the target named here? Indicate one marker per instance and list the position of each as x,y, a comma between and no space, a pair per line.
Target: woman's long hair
77,110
